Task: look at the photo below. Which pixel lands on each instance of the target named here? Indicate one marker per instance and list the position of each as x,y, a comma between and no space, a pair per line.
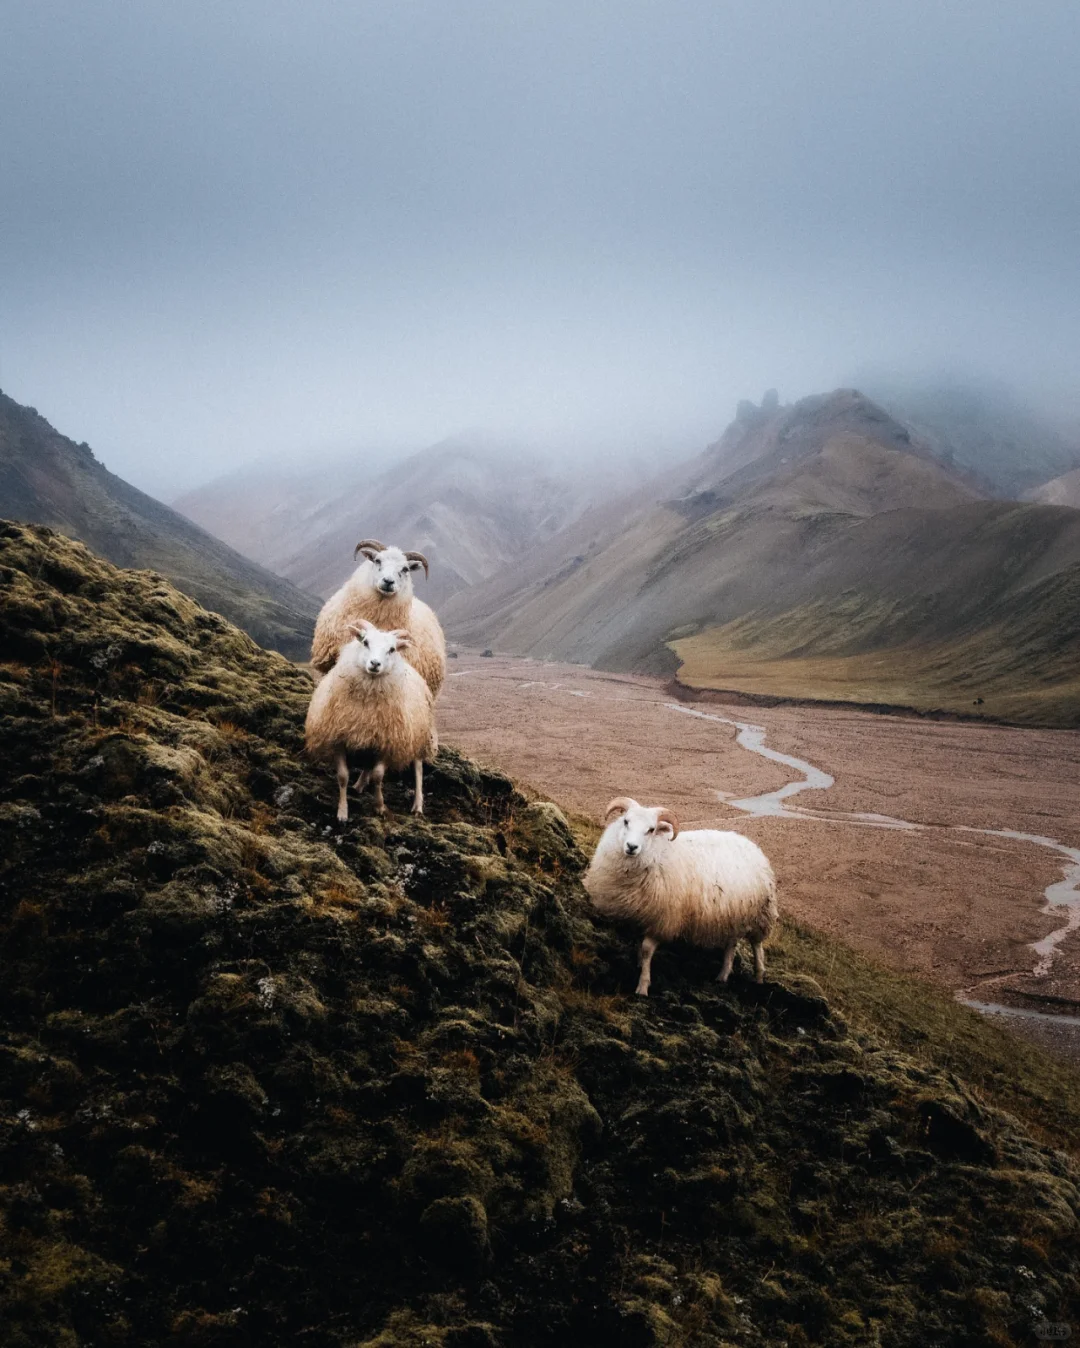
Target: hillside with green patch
975,613
45,478
824,553
267,1080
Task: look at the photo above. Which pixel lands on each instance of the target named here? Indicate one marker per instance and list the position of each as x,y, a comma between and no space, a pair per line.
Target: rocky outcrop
268,1081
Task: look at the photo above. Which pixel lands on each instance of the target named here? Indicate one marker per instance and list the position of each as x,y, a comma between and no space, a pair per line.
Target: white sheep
380,591
375,708
706,886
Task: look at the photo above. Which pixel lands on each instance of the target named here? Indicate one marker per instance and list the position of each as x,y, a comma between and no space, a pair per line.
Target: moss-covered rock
267,1080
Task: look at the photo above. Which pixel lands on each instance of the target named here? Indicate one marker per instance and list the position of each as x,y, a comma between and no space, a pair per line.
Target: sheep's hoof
343,816
641,992
417,809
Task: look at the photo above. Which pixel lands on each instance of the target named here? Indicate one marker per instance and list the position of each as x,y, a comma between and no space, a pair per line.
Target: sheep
375,707
709,887
380,591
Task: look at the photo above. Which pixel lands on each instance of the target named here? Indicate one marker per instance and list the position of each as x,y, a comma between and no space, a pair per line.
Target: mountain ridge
470,507
828,508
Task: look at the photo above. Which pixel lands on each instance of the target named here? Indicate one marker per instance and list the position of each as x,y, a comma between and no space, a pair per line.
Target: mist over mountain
228,236
45,478
471,506
1064,490
981,427
825,530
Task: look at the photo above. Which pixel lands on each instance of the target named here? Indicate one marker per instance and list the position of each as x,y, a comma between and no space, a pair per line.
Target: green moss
267,1080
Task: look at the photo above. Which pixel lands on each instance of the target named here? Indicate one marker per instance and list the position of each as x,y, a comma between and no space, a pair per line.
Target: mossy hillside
270,1081
921,1019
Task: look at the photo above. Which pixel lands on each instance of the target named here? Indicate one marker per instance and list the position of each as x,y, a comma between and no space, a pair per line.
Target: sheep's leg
418,797
648,949
729,960
343,787
377,774
362,779
759,961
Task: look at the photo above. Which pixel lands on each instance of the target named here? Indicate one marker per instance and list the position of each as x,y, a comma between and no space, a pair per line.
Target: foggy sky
236,229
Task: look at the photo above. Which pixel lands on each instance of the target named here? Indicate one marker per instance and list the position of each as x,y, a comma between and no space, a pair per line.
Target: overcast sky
231,229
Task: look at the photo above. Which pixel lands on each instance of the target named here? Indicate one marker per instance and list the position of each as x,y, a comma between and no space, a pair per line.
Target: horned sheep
380,591
375,708
709,887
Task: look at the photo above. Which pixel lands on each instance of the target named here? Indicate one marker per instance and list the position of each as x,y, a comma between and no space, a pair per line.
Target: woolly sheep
706,886
374,707
380,591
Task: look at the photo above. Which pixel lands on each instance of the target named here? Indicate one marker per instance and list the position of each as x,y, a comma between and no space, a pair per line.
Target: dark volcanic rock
265,1080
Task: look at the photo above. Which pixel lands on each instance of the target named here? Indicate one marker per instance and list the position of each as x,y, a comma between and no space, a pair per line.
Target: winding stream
1062,897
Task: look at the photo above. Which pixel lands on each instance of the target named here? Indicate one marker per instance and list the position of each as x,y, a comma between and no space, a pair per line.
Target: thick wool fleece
391,718
356,599
706,886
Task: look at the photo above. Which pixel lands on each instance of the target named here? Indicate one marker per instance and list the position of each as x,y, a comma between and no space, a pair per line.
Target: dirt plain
959,907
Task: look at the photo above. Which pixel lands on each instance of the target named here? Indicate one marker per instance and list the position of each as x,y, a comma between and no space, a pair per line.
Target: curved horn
419,557
618,806
666,817
366,543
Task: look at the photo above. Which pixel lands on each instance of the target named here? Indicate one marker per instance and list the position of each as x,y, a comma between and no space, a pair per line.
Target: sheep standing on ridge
375,708
708,887
380,591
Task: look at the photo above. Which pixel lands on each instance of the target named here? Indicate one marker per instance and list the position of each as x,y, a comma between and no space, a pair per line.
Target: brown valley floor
959,907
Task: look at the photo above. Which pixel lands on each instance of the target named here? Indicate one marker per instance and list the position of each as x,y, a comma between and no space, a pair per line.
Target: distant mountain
834,451
1064,490
981,429
824,531
264,511
46,478
472,509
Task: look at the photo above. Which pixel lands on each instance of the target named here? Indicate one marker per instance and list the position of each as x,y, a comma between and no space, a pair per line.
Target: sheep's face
390,572
640,831
378,653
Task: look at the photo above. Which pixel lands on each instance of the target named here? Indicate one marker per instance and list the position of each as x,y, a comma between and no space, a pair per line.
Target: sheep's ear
402,637
667,823
361,627
618,806
417,560
370,547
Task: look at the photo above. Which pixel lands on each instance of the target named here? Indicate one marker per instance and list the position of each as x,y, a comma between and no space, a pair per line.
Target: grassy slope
1018,660
267,1081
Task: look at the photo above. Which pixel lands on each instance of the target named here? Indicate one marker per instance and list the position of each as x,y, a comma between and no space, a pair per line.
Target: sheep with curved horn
369,547
380,591
374,709
706,886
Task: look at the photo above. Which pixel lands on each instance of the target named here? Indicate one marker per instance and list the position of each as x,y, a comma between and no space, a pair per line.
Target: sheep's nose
631,849
374,666
388,585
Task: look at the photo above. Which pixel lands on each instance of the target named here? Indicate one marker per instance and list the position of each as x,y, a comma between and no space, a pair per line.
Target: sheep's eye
363,641
652,830
404,569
